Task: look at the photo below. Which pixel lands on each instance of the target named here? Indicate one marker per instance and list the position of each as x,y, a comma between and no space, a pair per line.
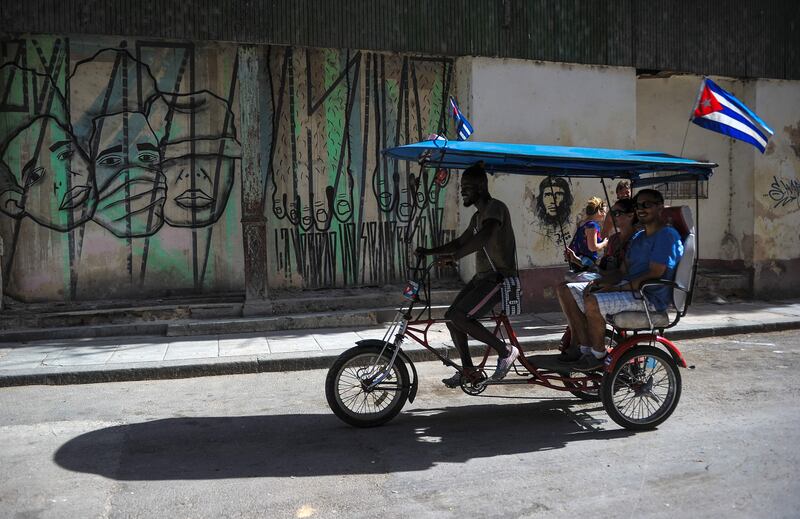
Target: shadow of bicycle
302,445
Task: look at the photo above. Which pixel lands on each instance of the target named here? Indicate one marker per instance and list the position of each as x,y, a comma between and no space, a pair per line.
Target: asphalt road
267,446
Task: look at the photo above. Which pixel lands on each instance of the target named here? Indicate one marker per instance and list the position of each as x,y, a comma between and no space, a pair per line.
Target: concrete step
717,284
300,321
152,328
334,319
214,319
109,316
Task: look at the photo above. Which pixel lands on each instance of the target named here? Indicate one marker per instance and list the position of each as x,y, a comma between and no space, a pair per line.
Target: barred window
685,189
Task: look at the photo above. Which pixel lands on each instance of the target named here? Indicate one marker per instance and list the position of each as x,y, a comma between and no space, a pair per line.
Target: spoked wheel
348,391
643,389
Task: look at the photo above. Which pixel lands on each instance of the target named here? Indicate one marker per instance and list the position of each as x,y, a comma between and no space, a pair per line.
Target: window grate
686,189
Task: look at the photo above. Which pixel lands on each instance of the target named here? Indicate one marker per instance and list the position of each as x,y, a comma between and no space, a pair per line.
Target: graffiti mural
119,157
554,209
120,166
340,213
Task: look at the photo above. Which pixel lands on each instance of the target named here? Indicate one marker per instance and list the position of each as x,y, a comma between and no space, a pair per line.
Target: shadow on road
303,445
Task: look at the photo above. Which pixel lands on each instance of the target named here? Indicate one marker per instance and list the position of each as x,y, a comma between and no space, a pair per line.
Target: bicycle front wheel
348,391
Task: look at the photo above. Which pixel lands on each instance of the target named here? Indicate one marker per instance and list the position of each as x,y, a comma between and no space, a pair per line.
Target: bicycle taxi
640,384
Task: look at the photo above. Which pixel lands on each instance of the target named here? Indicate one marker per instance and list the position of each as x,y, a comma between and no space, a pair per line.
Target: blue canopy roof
641,167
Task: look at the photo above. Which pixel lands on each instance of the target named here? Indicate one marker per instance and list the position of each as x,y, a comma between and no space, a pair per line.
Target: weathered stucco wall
119,168
545,103
120,164
777,191
338,212
663,107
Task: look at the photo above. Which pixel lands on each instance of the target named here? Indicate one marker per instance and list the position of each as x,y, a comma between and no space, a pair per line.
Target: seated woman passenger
585,247
570,295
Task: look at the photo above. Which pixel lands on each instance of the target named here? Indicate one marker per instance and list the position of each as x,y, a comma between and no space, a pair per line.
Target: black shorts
477,298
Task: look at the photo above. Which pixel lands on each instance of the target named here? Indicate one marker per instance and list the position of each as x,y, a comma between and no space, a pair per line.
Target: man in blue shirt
654,253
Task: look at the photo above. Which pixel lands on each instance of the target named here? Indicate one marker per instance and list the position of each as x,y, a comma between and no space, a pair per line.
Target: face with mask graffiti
131,188
49,176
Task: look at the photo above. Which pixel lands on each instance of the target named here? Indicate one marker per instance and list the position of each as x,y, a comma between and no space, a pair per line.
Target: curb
250,365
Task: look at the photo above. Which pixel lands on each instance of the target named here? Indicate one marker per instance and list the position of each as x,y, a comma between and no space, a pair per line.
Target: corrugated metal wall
740,38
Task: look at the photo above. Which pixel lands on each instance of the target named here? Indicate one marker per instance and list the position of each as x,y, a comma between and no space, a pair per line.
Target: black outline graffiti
556,220
784,191
130,101
369,252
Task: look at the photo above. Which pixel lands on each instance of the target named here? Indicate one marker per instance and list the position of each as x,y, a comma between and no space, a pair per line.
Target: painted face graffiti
553,200
54,187
199,166
198,187
131,187
554,203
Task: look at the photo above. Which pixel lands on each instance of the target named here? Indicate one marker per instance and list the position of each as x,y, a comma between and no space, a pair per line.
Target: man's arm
465,244
478,240
449,247
655,272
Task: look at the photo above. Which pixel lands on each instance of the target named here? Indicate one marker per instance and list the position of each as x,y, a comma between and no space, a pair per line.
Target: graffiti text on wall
784,192
342,213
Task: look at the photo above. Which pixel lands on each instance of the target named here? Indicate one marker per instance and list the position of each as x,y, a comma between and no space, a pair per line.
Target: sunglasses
647,204
616,213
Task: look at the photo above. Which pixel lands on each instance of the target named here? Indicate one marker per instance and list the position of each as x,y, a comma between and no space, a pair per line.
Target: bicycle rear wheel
643,389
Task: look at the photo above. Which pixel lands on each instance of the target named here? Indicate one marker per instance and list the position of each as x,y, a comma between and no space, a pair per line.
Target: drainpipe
254,225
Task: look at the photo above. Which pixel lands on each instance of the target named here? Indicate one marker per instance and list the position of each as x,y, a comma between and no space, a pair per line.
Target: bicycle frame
406,326
641,368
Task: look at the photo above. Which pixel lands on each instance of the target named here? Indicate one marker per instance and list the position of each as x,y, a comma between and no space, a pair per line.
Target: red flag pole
694,107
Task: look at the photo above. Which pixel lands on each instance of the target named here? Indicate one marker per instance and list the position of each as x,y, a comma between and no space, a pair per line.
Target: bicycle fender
619,350
412,393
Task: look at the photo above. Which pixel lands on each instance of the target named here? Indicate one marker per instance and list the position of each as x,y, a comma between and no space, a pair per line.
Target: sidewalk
76,361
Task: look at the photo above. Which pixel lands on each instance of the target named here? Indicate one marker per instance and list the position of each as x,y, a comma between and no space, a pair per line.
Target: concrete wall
777,191
545,103
750,219
749,222
663,106
119,168
120,164
338,213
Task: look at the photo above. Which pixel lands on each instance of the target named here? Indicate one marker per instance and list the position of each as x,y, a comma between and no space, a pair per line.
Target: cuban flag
463,128
719,111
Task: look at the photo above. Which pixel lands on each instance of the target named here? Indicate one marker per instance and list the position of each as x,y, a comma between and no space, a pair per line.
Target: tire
643,389
346,394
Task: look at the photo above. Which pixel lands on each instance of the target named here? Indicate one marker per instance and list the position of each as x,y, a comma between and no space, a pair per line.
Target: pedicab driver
491,237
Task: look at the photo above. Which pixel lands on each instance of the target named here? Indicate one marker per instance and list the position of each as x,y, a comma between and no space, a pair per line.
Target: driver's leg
461,342
474,305
476,330
460,338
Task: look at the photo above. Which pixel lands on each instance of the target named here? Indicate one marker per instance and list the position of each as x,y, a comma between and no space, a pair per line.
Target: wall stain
793,132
